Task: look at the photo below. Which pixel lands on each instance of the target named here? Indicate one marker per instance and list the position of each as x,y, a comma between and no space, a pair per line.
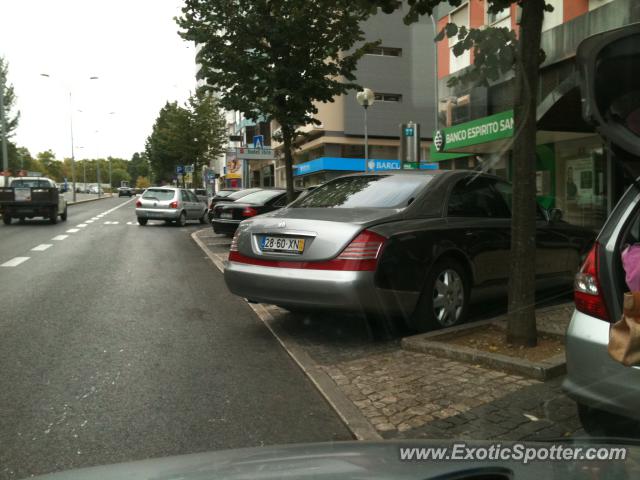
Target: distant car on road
171,205
125,191
228,195
29,197
227,216
407,249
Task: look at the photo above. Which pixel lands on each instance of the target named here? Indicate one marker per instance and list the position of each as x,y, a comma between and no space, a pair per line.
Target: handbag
624,335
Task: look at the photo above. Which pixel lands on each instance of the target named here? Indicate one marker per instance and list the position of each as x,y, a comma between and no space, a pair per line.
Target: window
158,194
476,198
461,18
185,196
494,18
388,97
35,183
366,191
261,196
384,51
193,197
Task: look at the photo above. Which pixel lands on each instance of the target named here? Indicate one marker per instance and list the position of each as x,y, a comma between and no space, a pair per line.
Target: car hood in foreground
353,460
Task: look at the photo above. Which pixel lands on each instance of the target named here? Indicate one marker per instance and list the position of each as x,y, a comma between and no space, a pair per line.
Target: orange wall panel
574,8
443,50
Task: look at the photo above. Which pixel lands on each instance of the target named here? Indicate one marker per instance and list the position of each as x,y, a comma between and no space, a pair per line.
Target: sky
131,45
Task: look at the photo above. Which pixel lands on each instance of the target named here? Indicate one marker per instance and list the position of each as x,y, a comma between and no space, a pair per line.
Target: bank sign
483,130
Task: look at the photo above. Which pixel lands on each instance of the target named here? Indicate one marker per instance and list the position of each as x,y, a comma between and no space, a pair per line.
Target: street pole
98,175
366,141
3,126
73,157
110,179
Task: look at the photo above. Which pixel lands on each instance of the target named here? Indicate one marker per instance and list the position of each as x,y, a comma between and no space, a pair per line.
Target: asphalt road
120,342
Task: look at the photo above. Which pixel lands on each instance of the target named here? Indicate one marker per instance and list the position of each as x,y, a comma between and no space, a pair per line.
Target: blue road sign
180,169
258,141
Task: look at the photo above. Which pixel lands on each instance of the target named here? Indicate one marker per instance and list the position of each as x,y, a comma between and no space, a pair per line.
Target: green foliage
11,115
276,58
208,128
118,175
143,182
138,166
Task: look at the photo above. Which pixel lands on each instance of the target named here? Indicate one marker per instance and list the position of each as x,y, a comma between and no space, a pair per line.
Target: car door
552,246
187,204
479,222
197,204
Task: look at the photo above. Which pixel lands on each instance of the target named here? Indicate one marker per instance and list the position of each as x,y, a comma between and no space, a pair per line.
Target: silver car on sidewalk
170,204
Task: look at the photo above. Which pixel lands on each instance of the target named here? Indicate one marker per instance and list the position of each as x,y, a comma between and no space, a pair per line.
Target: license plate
22,194
226,215
282,244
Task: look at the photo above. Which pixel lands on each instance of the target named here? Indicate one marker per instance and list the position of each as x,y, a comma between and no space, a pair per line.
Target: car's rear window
224,193
365,191
31,183
241,193
261,196
159,194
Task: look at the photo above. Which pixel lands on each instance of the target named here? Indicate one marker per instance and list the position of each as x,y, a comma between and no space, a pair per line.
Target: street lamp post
73,159
3,125
366,98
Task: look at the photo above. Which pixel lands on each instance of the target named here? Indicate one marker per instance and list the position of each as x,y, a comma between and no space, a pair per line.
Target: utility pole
3,125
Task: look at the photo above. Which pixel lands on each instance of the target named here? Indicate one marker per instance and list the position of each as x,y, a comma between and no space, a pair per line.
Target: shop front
323,169
571,167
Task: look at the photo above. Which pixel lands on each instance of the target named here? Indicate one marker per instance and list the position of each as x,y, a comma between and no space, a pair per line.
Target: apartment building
401,72
575,172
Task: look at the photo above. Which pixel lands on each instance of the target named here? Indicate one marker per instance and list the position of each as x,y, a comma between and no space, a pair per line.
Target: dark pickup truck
29,197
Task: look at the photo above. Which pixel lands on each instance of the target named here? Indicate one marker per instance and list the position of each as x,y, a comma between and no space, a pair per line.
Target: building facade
575,172
401,72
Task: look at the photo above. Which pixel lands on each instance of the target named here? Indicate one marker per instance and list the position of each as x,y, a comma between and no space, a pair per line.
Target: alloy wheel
448,298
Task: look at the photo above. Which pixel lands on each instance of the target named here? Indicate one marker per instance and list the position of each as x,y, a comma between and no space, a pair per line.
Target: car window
158,194
365,191
194,197
224,193
476,197
506,192
242,193
261,196
35,183
281,202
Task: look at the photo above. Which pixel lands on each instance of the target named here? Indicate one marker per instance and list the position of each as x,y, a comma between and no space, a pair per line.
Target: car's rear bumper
346,291
593,377
158,213
225,226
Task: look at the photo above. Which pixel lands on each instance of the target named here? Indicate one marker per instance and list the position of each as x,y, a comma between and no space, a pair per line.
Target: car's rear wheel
63,215
53,216
600,423
444,301
182,220
142,221
6,219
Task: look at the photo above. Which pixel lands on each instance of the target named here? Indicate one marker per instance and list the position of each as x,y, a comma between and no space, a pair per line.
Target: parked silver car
171,205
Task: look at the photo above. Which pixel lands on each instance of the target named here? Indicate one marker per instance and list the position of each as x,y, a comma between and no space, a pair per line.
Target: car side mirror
554,215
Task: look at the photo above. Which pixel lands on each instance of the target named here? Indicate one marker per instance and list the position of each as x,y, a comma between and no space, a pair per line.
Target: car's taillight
249,212
138,204
587,292
173,204
234,243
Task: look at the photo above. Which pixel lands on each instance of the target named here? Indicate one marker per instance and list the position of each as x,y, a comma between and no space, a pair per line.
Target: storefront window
581,184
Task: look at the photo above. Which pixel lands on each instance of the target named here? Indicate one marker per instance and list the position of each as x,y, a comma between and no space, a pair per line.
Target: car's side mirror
554,215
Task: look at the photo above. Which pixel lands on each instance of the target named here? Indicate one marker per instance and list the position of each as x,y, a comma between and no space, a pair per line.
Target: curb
350,415
86,201
427,343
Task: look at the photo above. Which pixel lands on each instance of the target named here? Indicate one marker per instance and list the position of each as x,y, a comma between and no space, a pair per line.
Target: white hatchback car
170,204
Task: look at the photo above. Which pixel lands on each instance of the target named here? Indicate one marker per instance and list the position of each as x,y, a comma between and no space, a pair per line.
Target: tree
143,182
118,175
171,142
50,166
208,128
12,116
276,58
138,166
496,51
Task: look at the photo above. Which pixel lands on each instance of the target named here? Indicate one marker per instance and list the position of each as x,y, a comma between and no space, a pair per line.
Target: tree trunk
287,139
521,328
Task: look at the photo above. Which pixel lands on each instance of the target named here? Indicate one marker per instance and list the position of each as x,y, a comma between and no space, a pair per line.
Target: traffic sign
188,169
180,169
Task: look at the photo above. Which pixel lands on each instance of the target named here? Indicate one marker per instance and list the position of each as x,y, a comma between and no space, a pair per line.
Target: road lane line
89,221
14,262
73,230
81,225
59,237
42,247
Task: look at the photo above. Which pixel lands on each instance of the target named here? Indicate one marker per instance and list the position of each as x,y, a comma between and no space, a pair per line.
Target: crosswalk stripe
42,247
14,262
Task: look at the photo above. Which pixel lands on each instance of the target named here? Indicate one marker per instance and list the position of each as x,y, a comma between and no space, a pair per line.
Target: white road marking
115,223
130,223
73,230
14,262
81,225
89,221
59,237
42,247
